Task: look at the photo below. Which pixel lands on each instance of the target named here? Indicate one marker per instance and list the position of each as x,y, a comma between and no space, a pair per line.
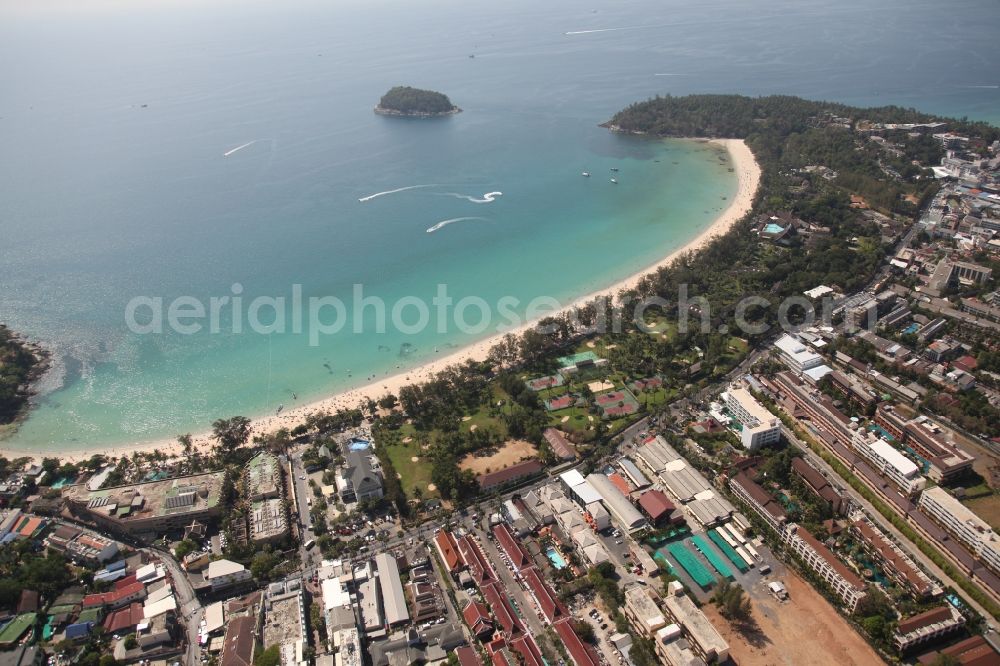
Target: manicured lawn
412,474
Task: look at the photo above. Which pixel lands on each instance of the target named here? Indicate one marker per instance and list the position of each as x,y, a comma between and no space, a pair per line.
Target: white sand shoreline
748,179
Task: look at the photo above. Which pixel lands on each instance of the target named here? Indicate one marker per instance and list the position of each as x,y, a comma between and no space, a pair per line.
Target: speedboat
585,174
614,180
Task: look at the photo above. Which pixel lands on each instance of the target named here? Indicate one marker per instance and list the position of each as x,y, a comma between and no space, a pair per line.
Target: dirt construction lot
511,452
805,629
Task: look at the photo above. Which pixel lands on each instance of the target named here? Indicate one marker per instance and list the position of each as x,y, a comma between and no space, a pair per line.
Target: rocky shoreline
382,111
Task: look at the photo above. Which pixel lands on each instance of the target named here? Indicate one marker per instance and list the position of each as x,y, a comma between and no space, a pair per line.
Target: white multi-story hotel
844,582
759,426
963,524
796,355
889,462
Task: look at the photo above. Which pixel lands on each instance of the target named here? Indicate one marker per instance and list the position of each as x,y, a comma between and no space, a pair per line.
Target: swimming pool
358,444
555,558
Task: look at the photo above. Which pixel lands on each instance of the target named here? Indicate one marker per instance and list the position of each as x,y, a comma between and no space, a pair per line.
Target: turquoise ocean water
114,121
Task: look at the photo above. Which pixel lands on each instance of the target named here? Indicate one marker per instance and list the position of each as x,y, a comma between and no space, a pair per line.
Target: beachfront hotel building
963,524
148,510
759,427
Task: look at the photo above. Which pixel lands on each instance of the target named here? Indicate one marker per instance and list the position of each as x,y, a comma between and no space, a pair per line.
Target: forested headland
19,364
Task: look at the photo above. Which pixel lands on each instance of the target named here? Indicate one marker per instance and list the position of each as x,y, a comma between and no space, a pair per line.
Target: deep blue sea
115,118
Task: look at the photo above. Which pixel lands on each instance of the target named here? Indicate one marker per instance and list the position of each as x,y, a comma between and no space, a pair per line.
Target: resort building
358,480
945,460
820,486
148,510
959,521
889,462
896,565
262,477
509,476
643,611
758,426
268,521
560,446
845,583
927,626
758,499
704,639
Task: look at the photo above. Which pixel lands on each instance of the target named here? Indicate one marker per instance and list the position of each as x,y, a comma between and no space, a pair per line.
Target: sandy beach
748,176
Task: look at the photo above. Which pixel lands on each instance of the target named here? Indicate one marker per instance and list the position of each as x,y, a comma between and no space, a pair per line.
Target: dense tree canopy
407,100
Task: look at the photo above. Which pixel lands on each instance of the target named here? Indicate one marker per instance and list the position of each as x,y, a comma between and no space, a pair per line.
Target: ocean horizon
200,152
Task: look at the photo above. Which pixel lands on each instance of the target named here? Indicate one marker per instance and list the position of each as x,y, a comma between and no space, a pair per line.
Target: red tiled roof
620,483
561,447
124,582
467,656
28,602
550,605
824,552
925,619
517,471
448,550
515,551
973,651
30,526
477,616
238,645
578,652
126,618
528,649
496,599
115,597
892,558
475,560
656,504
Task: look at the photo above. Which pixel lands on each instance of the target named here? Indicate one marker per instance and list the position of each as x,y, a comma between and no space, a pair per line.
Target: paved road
189,607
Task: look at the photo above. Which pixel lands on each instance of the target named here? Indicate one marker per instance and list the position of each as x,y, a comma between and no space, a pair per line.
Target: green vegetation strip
699,574
711,556
733,556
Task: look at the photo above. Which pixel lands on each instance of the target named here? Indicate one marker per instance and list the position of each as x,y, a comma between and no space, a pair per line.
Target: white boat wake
590,32
984,86
387,192
444,223
233,150
489,197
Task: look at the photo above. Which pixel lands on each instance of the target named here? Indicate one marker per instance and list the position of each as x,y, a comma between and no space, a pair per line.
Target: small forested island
416,103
